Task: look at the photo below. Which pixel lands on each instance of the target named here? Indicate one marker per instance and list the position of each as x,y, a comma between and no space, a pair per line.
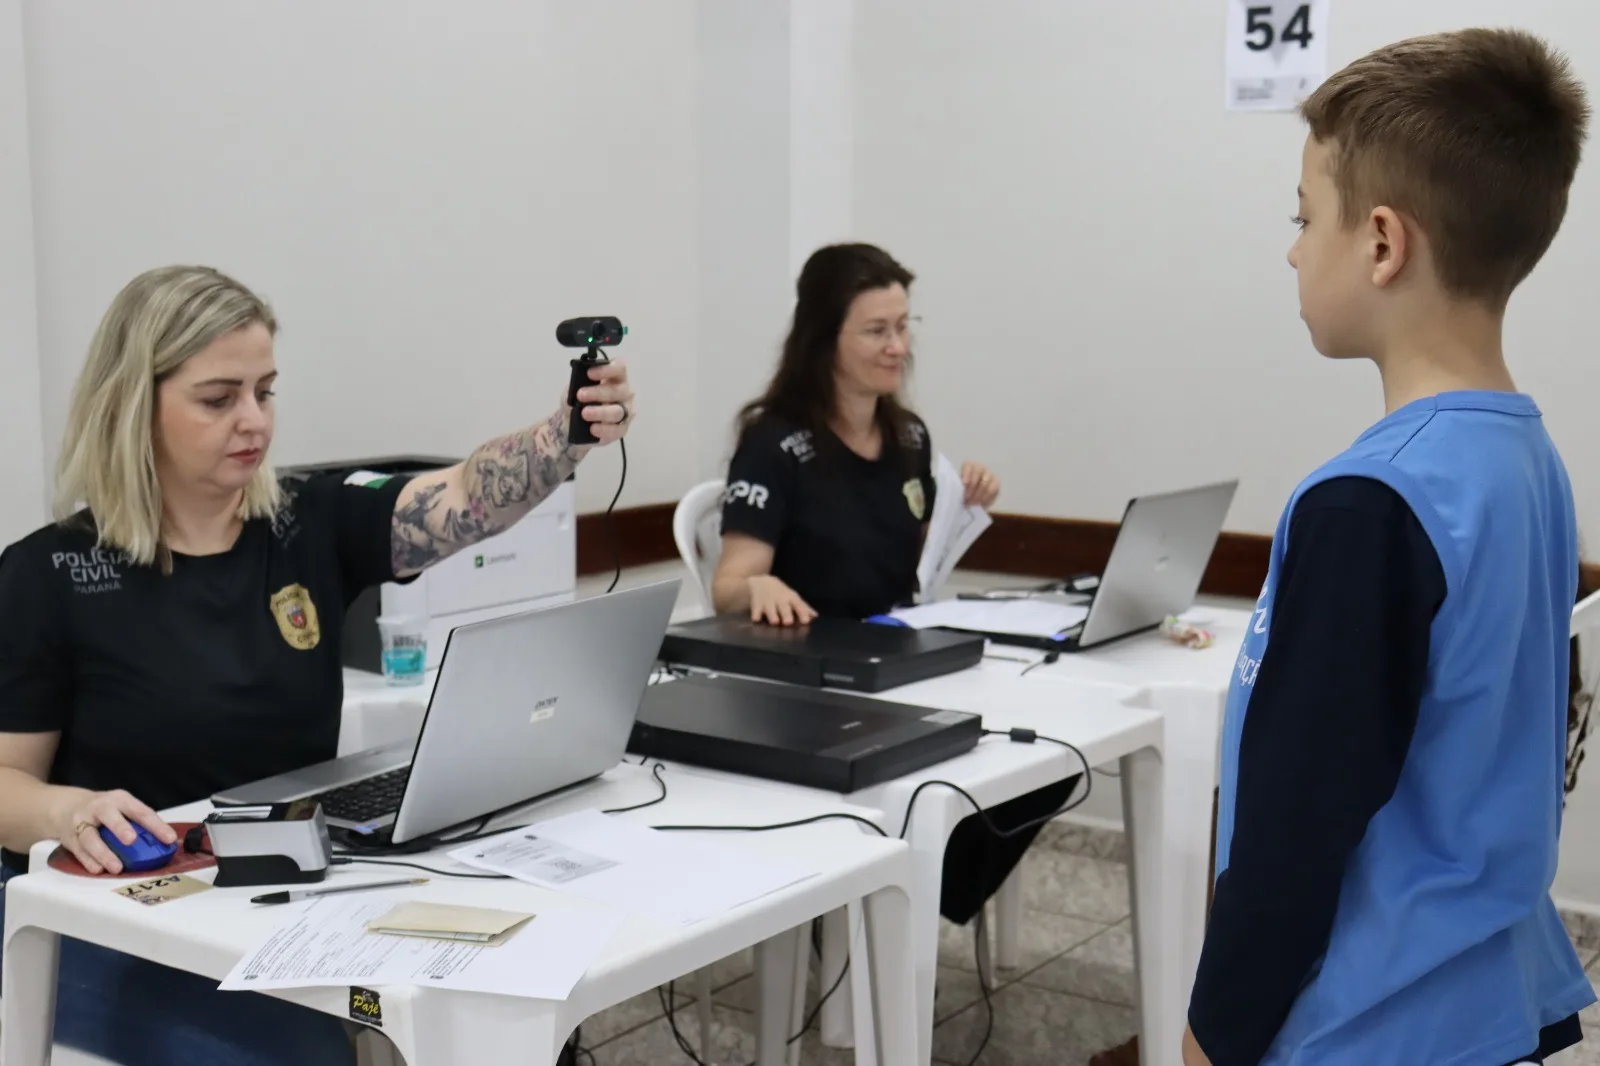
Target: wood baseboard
1024,545
1060,547
643,535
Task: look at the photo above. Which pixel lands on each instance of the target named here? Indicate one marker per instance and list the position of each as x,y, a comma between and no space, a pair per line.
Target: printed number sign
1277,52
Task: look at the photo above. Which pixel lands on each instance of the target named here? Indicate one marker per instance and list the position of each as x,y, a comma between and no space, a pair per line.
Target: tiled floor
1072,995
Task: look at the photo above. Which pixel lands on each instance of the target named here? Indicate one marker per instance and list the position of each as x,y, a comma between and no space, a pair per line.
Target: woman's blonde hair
157,322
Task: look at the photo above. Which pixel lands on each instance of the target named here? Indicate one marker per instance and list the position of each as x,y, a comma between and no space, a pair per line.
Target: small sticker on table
163,889
366,1007
946,717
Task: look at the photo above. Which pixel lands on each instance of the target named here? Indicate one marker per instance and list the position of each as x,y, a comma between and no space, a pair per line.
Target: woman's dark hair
802,392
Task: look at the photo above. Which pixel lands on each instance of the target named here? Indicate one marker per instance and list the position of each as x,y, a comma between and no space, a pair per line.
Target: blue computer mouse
145,853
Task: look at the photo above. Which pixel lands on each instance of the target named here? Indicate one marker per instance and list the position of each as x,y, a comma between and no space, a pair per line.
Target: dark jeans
138,1013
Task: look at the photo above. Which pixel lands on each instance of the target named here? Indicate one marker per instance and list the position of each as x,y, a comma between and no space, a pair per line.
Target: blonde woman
176,630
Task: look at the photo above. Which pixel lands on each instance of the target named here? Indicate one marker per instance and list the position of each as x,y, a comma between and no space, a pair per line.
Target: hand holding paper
954,526
982,487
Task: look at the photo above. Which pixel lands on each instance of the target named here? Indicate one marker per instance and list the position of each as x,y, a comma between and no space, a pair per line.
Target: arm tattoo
498,484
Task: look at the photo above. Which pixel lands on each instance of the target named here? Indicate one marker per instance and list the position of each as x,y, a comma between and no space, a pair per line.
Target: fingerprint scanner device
532,564
836,741
828,653
270,844
525,706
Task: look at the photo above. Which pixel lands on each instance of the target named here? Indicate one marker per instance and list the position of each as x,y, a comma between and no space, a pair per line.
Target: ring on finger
78,829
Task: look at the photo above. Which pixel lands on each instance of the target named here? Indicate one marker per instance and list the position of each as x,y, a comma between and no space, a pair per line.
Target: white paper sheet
326,942
951,529
1023,618
1277,52
665,875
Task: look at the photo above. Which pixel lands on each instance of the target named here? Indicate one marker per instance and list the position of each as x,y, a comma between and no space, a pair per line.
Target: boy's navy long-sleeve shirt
1331,720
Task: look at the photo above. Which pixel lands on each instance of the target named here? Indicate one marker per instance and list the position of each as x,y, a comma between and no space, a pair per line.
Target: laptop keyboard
368,799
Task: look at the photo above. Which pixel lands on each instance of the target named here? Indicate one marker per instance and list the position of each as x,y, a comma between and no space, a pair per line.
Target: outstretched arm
439,513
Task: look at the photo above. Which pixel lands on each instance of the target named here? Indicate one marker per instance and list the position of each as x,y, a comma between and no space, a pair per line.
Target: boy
1394,740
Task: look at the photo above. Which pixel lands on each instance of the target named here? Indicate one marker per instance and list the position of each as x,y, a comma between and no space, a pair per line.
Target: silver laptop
1160,555
524,706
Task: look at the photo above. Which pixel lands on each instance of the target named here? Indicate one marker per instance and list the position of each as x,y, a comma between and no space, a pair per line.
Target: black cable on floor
669,1004
988,1000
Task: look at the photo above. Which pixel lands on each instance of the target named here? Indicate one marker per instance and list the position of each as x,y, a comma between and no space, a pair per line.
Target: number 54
1259,34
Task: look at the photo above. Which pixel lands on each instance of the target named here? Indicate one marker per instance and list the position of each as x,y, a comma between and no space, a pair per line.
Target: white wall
1099,240
1104,245
422,190
21,456
774,106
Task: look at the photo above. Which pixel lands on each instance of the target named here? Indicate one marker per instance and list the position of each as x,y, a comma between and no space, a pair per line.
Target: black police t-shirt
846,532
174,686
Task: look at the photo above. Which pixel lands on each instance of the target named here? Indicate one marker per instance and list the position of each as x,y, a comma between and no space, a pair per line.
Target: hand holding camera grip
580,431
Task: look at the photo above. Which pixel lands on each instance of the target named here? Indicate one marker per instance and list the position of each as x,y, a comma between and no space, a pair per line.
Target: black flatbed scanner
828,653
829,740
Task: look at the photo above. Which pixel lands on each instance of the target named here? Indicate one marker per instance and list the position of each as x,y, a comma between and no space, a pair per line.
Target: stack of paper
633,867
951,530
1022,618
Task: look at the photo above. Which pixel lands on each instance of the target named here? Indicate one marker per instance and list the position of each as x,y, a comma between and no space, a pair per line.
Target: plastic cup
405,649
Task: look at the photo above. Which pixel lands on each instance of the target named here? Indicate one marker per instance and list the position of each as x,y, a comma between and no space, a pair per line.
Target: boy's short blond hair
1474,135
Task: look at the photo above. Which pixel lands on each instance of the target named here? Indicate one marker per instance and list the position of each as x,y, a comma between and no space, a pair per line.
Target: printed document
326,942
1022,618
951,531
668,876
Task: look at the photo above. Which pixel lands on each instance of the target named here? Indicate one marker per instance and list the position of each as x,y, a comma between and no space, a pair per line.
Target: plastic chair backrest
697,530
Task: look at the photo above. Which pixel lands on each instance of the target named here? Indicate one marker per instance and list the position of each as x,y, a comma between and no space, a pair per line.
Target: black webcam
599,331
592,332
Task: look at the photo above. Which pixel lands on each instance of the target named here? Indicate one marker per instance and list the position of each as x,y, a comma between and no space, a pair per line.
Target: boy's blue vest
1446,948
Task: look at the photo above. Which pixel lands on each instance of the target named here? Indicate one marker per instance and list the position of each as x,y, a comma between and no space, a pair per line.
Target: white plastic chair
697,529
1586,630
1586,620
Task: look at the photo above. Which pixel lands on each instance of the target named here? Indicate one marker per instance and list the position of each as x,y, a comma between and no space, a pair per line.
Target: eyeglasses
881,332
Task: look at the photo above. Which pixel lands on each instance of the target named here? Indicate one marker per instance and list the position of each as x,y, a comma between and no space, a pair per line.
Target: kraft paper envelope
444,921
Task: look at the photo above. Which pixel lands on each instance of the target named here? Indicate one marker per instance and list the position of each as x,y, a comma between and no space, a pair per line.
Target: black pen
293,894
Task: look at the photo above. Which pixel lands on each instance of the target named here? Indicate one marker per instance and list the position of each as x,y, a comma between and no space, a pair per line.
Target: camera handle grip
580,431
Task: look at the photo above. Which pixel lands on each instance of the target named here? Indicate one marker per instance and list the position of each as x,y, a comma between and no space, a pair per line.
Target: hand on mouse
775,603
79,828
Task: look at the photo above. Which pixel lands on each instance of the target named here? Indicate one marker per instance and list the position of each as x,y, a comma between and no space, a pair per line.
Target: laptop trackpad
320,777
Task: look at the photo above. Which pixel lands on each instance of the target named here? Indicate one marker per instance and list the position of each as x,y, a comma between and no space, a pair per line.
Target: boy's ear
1389,244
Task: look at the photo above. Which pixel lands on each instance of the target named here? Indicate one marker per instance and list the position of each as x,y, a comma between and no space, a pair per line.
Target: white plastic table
1190,689
1109,718
1107,726
209,932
